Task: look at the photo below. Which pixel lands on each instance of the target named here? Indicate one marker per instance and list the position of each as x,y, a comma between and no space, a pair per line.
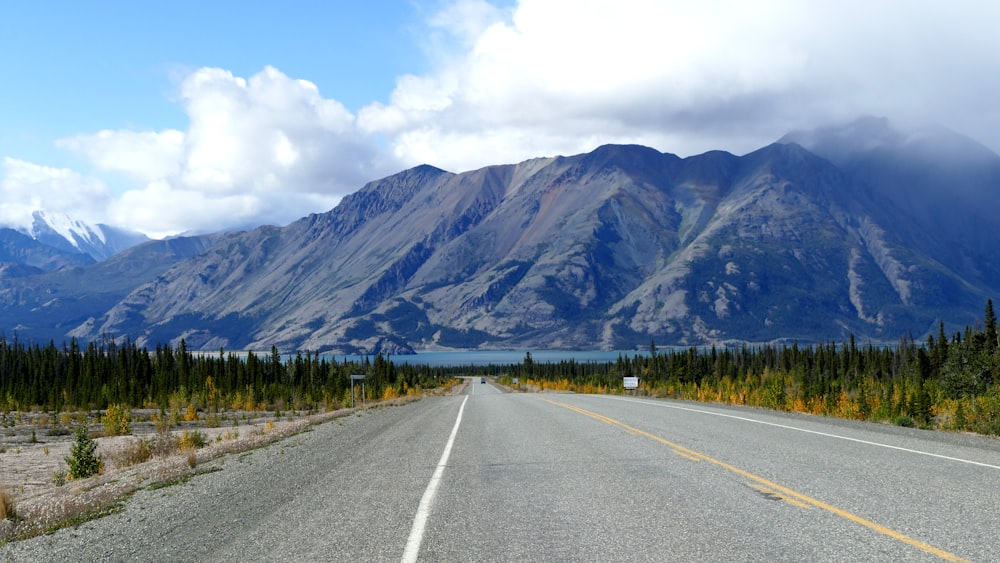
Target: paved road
494,476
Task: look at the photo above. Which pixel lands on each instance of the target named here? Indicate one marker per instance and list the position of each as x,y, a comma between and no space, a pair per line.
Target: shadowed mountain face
45,305
21,255
946,183
609,249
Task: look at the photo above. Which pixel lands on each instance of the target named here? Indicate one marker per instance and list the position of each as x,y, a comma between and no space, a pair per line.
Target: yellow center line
783,491
684,455
776,494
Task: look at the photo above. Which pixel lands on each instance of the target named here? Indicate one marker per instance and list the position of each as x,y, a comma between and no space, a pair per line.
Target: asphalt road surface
492,476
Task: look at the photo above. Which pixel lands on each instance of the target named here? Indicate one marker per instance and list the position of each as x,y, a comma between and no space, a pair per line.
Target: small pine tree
920,405
990,326
82,461
961,421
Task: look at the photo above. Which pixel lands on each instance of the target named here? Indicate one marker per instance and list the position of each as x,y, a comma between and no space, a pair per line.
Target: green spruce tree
83,461
990,328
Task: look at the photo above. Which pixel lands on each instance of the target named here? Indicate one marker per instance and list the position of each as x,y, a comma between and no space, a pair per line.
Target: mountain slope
948,184
797,249
607,249
48,305
19,249
100,241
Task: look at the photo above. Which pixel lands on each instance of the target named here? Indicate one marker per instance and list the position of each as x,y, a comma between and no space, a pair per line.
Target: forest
948,382
102,374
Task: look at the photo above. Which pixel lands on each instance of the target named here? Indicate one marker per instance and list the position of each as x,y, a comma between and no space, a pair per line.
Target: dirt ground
34,447
33,451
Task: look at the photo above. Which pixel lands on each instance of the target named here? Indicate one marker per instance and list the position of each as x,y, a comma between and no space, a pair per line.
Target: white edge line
828,435
424,510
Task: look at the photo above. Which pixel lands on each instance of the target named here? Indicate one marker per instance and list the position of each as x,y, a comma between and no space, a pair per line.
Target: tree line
947,382
100,374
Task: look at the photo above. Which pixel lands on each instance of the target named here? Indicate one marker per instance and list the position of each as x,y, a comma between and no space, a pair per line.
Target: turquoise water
504,357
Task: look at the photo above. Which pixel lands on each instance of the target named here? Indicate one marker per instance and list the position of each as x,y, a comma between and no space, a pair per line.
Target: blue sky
171,117
86,66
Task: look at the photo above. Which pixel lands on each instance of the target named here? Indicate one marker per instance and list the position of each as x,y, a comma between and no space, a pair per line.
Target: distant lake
504,357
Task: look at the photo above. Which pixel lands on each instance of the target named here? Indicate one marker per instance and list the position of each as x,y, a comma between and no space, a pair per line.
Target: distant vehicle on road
482,380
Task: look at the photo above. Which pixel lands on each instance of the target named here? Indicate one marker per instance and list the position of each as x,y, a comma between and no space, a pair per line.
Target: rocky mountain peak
609,249
67,234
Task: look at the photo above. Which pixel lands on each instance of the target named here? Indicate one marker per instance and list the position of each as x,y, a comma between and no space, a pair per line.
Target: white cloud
560,76
144,155
28,187
245,130
540,78
465,20
268,149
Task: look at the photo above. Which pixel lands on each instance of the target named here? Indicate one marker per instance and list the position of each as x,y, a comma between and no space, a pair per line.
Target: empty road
492,476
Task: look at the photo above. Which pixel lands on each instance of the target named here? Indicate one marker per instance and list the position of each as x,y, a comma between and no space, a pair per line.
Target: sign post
630,383
358,377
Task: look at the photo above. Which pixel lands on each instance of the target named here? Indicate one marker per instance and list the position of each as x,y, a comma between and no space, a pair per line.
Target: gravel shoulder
30,456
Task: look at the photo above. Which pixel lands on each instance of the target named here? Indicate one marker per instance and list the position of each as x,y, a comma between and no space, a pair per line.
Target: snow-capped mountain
99,241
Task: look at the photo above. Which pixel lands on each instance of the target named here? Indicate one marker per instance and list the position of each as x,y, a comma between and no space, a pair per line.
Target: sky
191,117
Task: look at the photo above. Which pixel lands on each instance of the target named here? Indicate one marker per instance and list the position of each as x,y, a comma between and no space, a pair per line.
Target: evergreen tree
82,461
990,328
920,405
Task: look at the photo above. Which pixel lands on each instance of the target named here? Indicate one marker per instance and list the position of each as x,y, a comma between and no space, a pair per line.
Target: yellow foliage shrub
191,440
117,421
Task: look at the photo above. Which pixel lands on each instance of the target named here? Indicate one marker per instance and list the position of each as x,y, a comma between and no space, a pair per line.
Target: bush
212,420
164,443
192,440
117,421
82,461
904,421
6,505
137,451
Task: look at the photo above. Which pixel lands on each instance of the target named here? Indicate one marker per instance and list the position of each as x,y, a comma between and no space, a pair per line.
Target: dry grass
6,505
135,452
164,443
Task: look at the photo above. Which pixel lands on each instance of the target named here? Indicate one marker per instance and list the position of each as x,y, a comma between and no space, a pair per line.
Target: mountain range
855,230
54,240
